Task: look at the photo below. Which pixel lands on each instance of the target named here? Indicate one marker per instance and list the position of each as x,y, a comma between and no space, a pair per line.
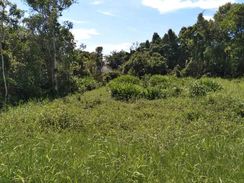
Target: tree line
209,47
39,57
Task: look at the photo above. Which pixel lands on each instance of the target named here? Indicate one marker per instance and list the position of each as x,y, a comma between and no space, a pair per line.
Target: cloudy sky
116,24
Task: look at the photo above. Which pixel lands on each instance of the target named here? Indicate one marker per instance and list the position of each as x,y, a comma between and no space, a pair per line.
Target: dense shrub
174,91
197,89
211,85
84,84
153,93
203,86
159,81
154,87
144,63
127,79
110,76
125,91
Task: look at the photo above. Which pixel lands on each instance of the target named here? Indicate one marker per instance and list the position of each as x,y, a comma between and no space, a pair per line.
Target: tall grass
93,138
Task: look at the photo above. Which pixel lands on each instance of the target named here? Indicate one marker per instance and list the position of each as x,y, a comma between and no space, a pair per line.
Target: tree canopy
39,57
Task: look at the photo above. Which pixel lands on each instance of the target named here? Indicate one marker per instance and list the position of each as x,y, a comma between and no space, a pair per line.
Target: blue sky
116,24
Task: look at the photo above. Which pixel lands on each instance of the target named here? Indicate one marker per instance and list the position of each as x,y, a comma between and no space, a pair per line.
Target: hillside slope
94,138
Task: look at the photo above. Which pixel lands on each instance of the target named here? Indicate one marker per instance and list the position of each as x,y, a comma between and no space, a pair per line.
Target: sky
117,24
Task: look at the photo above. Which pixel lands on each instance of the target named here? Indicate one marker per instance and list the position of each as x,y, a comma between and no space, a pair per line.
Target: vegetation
93,138
40,59
170,110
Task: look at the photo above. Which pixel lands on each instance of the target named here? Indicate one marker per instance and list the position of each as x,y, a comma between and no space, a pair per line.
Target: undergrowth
91,137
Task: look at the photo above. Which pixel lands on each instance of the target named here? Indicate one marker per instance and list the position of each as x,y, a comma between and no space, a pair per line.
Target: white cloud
106,13
97,2
166,6
84,34
208,17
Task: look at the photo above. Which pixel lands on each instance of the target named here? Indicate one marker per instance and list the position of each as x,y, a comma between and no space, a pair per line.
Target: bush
143,63
203,86
175,91
125,91
84,84
197,89
127,79
110,76
211,85
153,93
154,87
159,81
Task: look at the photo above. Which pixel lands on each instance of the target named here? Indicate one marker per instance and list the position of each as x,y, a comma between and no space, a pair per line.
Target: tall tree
9,17
116,59
171,50
230,19
46,15
99,59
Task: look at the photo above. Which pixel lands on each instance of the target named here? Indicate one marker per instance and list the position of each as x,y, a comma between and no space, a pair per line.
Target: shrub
159,81
175,91
153,93
127,79
197,89
125,91
155,87
211,85
203,86
84,84
143,63
110,76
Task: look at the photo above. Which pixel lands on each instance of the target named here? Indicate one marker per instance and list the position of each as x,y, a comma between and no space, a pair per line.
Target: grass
93,138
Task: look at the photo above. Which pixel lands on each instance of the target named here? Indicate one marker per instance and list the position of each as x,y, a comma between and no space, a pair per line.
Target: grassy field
93,138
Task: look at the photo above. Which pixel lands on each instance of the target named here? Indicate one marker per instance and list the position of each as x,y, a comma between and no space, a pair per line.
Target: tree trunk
2,57
54,69
3,72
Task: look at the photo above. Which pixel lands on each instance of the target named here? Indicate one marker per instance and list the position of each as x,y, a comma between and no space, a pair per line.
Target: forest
171,109
39,57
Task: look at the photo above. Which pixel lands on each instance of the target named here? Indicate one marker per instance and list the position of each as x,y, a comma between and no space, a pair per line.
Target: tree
230,19
9,17
156,38
142,63
171,50
116,59
45,23
99,60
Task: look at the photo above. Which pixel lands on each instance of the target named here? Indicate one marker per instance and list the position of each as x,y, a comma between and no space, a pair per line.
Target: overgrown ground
94,138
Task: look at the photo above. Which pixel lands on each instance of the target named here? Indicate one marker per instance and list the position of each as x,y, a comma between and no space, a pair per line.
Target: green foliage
203,86
116,59
126,91
155,87
159,80
142,63
58,118
84,84
211,85
127,79
41,58
126,88
106,77
92,138
197,89
153,93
